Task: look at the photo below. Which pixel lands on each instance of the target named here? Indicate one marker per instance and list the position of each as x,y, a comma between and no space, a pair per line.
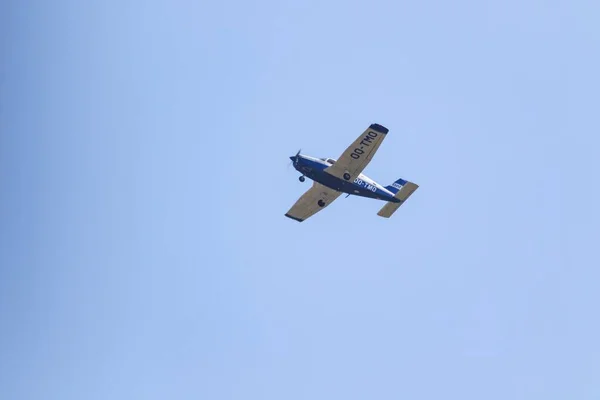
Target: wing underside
312,201
358,155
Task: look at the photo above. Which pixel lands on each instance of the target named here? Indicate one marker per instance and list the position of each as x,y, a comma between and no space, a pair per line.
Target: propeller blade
296,157
294,160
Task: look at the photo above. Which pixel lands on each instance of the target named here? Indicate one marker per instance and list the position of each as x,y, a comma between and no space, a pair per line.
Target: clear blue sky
144,252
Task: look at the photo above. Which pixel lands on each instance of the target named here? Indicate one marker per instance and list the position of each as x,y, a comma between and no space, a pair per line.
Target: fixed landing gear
302,179
321,203
346,176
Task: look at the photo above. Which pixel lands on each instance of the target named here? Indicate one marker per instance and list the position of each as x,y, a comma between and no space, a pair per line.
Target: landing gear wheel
321,203
347,176
302,179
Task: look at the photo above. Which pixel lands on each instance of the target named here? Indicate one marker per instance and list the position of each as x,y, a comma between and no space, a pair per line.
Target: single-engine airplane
332,177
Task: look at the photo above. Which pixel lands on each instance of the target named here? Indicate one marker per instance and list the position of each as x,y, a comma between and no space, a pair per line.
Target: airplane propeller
295,160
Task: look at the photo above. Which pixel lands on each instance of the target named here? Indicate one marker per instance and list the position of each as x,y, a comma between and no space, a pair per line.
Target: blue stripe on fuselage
316,171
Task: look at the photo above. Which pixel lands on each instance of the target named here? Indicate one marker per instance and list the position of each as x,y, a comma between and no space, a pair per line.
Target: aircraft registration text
366,142
365,185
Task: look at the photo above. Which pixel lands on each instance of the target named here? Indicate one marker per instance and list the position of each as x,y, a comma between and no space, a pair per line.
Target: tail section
396,186
402,190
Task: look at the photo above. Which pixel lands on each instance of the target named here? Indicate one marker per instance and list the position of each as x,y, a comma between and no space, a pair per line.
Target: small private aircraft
333,177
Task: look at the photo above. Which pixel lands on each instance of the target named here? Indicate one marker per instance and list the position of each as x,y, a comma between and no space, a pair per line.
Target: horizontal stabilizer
390,208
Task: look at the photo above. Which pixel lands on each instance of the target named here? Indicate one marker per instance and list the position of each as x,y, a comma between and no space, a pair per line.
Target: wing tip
379,128
294,218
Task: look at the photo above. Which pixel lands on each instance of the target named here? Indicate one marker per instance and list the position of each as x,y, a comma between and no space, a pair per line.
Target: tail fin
402,190
396,186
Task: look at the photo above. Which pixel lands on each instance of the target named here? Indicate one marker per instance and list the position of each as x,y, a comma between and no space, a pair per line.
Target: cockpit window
328,160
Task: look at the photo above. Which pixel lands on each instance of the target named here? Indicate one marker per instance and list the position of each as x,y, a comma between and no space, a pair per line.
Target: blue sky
144,177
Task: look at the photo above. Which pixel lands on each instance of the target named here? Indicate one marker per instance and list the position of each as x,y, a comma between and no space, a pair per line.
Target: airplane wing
308,204
356,157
